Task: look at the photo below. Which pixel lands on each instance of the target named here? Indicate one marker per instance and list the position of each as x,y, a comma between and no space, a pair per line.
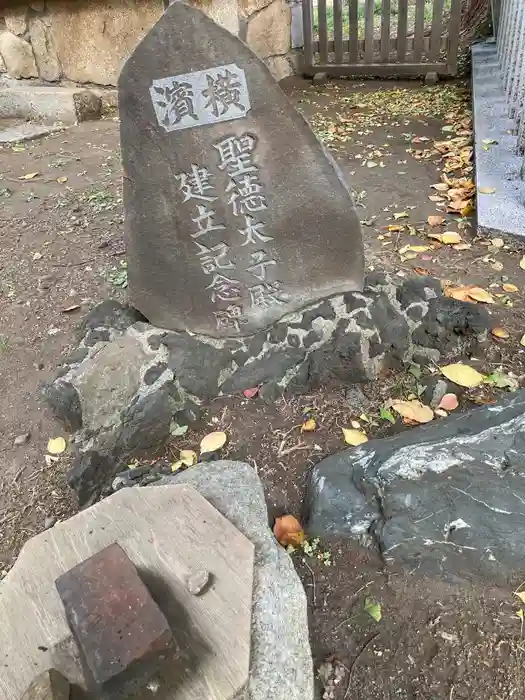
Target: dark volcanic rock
447,497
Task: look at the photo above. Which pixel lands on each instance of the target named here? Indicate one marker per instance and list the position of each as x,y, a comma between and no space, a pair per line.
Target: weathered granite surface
234,213
447,497
281,659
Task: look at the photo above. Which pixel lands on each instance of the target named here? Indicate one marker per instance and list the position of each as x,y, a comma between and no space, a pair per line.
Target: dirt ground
61,238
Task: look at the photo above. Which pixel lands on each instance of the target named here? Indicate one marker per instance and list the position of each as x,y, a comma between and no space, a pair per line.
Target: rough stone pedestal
126,380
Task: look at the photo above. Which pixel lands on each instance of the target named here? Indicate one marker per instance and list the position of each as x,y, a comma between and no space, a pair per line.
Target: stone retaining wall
87,41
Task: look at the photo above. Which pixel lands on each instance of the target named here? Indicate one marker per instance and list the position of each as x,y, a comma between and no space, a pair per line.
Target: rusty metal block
122,635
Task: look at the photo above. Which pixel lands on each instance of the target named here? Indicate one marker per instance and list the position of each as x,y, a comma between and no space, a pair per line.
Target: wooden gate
381,38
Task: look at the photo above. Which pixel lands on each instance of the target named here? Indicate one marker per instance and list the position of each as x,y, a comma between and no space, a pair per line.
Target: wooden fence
381,38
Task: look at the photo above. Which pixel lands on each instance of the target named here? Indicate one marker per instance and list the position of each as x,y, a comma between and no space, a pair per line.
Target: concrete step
66,105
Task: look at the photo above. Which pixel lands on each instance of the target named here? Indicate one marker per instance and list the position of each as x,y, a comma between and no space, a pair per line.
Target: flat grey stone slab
169,533
281,659
66,105
235,214
26,132
498,165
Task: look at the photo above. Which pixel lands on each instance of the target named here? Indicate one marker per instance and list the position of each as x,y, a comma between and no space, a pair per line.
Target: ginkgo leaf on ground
509,288
449,402
521,595
288,530
463,375
354,437
213,441
499,332
469,293
55,446
479,294
188,457
413,410
309,425
450,238
373,608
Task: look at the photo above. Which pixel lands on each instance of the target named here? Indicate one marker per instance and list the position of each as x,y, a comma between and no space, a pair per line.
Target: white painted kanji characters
235,155
229,319
246,195
215,258
224,288
223,92
261,260
195,183
253,231
265,294
205,221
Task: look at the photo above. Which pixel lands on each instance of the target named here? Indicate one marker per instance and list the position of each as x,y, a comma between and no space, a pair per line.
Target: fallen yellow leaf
486,190
61,180
413,411
479,294
497,242
500,333
177,465
55,446
509,288
354,437
522,341
309,425
213,441
440,187
521,595
28,176
461,374
435,220
450,238
522,263
400,215
188,457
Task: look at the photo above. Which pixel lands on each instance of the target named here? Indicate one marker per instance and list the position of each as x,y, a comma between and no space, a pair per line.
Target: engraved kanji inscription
205,97
216,258
266,294
253,231
224,288
223,92
175,101
261,260
235,155
195,183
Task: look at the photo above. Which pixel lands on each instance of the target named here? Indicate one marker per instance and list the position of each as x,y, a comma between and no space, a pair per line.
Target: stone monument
235,214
